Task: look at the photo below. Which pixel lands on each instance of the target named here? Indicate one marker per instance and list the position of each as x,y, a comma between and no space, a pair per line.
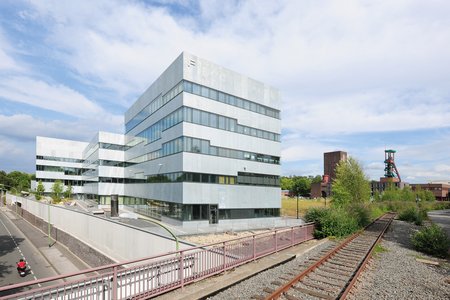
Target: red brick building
330,161
440,190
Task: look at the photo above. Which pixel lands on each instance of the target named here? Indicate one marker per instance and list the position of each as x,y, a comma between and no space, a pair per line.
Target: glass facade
203,91
189,212
195,116
242,178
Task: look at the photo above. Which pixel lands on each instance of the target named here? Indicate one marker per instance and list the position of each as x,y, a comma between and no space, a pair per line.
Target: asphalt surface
19,239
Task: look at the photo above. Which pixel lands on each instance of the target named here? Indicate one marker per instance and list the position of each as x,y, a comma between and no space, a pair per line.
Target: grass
289,205
379,249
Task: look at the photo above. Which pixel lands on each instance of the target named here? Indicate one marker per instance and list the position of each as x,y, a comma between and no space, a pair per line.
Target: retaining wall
96,240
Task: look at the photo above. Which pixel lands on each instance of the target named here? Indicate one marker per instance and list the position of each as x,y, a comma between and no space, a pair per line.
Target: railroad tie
313,293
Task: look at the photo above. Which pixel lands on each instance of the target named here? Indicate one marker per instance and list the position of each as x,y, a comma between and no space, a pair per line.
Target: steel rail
290,284
365,261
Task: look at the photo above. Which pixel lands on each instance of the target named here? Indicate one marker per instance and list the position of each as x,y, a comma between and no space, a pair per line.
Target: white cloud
24,127
55,97
342,67
7,62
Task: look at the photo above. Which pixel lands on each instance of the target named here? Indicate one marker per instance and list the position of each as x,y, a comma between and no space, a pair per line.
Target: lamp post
49,227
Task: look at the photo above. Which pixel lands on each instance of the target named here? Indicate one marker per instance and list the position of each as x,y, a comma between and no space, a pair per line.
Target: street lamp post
49,228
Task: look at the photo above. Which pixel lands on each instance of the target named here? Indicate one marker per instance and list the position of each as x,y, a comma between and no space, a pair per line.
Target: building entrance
213,214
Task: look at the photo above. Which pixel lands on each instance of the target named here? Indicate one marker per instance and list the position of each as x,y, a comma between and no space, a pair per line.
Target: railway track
333,274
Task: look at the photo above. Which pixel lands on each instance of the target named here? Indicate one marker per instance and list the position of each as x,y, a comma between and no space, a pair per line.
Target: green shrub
338,223
432,240
315,214
377,210
361,213
411,214
332,222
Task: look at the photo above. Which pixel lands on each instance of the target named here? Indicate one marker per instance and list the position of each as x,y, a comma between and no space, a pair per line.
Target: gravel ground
254,285
395,274
206,239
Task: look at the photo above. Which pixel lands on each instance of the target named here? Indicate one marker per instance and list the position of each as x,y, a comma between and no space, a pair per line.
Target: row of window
242,178
189,144
154,105
216,95
64,159
203,91
65,170
120,180
191,177
66,182
114,146
258,179
204,118
114,163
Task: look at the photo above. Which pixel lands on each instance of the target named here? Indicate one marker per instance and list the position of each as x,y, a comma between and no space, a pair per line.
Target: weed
432,240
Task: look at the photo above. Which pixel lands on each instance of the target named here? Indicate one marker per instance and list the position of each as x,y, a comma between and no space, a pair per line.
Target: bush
411,214
332,222
432,240
315,214
361,213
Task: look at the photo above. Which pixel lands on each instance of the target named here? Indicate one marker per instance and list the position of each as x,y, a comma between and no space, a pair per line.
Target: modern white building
201,146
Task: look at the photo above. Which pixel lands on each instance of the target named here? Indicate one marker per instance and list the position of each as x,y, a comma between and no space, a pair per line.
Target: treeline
299,185
16,181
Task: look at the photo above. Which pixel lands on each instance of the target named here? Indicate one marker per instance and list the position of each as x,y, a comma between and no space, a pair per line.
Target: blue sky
358,76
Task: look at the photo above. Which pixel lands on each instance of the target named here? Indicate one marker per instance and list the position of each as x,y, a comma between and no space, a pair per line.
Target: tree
351,184
19,181
40,189
316,179
57,189
68,192
286,183
301,186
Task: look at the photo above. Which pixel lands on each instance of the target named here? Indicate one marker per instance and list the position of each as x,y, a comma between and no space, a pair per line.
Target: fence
148,277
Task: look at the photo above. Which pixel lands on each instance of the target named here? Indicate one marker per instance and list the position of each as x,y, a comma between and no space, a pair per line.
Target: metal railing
155,275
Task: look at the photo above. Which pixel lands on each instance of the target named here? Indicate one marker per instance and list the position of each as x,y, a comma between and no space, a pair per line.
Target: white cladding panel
227,139
167,80
172,192
243,116
59,148
206,73
231,196
225,166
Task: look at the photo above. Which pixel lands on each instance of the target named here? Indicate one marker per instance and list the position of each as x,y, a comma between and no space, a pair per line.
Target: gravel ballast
396,274
393,274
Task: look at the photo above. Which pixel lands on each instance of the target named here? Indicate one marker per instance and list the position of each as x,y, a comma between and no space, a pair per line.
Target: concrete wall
116,241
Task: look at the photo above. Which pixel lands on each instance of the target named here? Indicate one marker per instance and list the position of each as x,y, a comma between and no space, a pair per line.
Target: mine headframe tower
390,170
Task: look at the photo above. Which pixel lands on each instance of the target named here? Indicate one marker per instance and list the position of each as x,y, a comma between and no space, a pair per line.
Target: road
15,245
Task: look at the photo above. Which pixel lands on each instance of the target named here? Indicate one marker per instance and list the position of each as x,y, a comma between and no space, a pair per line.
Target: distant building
382,185
391,174
330,161
439,190
201,146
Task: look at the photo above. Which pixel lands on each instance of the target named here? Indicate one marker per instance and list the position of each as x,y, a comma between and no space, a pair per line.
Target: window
196,116
204,116
204,91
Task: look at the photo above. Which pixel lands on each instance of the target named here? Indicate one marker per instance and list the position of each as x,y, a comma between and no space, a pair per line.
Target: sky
357,76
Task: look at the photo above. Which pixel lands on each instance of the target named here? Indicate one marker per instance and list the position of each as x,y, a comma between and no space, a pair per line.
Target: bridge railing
155,275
